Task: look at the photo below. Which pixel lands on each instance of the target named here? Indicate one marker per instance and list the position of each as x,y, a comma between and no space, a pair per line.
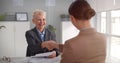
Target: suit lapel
46,35
37,35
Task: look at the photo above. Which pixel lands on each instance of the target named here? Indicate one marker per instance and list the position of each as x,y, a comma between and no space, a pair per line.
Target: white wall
1,7
93,4
104,5
53,12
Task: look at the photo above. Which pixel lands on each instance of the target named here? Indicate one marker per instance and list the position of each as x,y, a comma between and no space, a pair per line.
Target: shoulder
49,31
70,41
101,35
31,31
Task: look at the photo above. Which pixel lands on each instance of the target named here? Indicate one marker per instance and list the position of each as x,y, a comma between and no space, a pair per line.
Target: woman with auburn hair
89,46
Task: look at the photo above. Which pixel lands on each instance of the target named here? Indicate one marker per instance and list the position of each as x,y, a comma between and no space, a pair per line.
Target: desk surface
32,60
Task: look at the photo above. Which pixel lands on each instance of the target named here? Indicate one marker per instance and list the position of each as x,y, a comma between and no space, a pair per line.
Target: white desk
32,60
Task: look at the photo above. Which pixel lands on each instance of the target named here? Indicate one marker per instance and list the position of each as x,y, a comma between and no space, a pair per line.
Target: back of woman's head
81,10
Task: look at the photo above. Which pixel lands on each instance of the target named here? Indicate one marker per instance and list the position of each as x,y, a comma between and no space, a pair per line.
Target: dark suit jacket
34,41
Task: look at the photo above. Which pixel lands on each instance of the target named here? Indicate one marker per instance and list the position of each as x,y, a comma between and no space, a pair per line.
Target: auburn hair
81,10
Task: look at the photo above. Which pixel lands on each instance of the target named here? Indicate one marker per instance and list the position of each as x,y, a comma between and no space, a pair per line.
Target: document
42,55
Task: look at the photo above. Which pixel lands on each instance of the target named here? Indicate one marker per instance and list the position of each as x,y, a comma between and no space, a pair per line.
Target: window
115,32
115,47
103,22
115,22
110,25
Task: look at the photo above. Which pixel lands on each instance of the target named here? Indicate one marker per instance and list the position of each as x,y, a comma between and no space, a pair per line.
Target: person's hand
50,45
52,55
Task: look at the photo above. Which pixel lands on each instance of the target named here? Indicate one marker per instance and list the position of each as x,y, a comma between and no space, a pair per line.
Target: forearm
61,46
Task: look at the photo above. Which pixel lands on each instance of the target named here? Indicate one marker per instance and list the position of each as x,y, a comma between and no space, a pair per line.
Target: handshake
50,45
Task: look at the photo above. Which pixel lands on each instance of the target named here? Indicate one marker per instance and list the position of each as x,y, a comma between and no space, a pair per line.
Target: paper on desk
42,55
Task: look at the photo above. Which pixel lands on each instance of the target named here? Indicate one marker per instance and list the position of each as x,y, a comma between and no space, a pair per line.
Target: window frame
108,31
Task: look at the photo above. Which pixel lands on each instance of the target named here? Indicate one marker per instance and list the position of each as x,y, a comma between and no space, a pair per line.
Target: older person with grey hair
40,39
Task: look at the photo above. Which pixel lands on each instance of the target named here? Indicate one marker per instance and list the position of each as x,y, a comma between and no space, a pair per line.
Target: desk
32,60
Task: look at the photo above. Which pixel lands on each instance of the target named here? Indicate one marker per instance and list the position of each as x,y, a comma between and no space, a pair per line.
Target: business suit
34,41
88,46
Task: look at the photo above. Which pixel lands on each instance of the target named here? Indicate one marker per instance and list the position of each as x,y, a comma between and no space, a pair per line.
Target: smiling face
40,21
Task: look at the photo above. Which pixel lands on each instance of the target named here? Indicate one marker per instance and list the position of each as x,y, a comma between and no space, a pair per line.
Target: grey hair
38,12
